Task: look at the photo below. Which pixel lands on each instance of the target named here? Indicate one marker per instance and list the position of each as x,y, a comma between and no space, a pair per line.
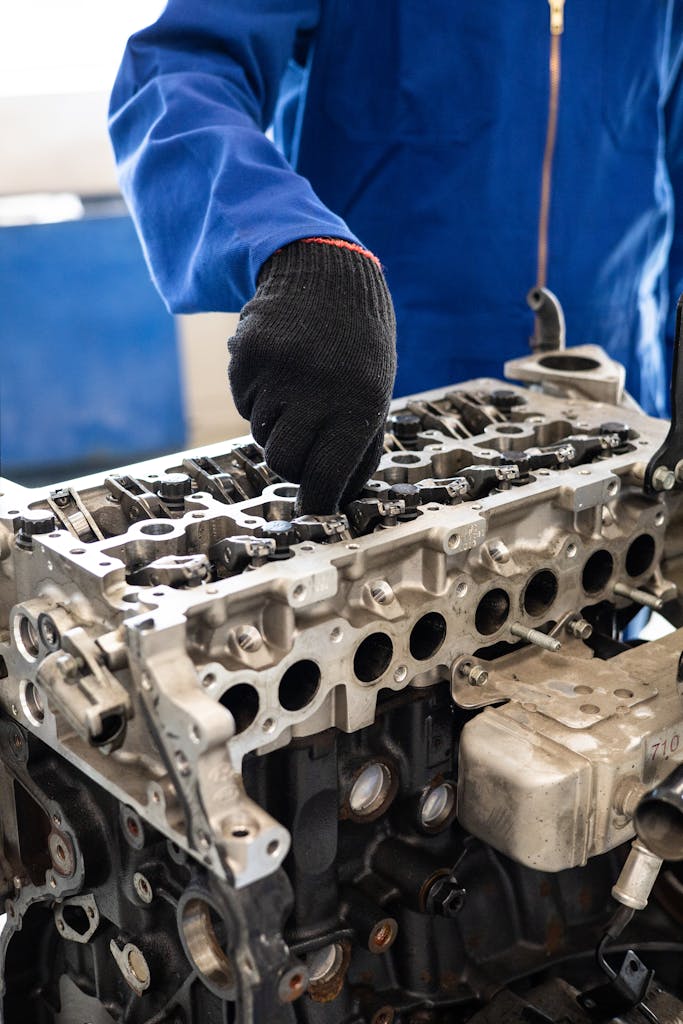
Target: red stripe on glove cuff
343,244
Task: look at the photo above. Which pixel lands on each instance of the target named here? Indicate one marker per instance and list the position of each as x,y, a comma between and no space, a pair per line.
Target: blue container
89,371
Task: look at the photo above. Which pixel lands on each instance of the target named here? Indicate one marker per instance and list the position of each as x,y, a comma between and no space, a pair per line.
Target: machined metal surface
165,626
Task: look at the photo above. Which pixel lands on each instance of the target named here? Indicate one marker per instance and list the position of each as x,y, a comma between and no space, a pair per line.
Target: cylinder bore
242,701
640,555
427,635
540,592
492,611
373,657
299,685
199,927
597,572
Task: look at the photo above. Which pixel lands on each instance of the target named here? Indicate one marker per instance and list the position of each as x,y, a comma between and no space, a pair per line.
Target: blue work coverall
418,127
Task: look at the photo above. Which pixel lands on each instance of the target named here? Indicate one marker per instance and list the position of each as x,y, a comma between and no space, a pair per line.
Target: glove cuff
346,275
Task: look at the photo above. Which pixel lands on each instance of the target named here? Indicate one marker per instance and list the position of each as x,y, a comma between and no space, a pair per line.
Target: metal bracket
665,469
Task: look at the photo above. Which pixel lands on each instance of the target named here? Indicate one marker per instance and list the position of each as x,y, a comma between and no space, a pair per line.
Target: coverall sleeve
212,198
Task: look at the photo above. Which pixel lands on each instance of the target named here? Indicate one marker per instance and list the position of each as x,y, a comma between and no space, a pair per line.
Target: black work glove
313,366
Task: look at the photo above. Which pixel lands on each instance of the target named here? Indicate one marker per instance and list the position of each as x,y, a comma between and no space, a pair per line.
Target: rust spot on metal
327,990
449,981
554,937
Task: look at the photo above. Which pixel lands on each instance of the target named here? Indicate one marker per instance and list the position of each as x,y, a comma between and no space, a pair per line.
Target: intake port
640,555
597,572
242,701
373,657
540,593
299,685
427,635
492,611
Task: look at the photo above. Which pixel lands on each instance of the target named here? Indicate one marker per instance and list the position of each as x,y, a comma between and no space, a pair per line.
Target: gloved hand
313,366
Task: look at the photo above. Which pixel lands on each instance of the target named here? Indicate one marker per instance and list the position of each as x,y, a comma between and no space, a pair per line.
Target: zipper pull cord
556,17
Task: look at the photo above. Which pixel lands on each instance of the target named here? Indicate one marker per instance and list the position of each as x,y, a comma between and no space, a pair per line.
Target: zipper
555,74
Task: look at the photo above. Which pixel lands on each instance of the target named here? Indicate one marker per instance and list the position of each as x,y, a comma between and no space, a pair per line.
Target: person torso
425,126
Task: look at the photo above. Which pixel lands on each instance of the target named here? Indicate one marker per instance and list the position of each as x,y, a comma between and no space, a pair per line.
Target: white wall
56,143
210,411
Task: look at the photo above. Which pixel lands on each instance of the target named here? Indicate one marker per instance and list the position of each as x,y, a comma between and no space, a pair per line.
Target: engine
380,767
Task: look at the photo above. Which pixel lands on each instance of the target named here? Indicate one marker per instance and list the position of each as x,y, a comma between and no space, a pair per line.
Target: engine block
251,760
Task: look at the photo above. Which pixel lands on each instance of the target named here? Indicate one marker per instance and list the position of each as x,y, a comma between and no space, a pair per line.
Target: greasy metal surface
157,659
163,626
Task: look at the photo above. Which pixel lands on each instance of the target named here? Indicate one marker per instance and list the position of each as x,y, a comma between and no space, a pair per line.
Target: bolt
405,426
133,966
142,887
445,896
639,596
534,636
385,1015
32,523
138,966
283,533
409,494
579,628
663,479
49,633
383,935
61,854
476,675
293,983
505,399
173,488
